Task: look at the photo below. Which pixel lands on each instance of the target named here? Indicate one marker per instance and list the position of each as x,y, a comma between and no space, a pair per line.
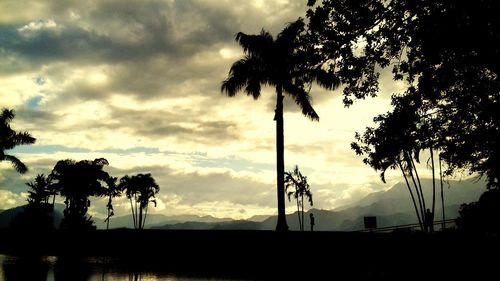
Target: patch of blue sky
39,80
146,150
34,102
49,149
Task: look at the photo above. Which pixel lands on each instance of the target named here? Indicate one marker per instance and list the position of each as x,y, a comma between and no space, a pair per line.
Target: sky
138,83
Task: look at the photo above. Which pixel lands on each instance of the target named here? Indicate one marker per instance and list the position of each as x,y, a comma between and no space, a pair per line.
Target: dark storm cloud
116,31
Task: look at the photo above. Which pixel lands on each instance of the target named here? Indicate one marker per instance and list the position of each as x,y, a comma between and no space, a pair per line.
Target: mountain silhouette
156,220
392,207
6,216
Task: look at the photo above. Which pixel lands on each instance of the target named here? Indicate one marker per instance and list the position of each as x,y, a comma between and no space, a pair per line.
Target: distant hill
392,207
155,220
6,216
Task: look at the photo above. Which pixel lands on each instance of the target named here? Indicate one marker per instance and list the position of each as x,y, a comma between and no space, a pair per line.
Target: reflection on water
79,269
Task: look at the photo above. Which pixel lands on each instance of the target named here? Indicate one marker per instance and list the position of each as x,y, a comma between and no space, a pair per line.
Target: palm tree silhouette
40,190
112,190
140,190
77,181
37,215
280,63
10,139
301,188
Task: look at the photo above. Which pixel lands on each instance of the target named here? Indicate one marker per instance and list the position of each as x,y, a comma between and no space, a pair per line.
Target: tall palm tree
280,63
140,190
301,188
10,139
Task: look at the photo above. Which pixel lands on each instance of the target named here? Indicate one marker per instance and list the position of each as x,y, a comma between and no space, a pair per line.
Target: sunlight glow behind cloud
138,83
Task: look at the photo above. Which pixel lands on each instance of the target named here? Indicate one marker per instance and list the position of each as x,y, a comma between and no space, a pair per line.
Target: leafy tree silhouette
301,188
140,190
481,216
10,139
396,144
38,213
446,54
283,64
77,181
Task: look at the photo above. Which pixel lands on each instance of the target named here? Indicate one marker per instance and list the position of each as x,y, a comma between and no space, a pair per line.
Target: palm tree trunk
442,193
133,214
302,211
107,219
410,170
138,224
431,225
145,215
298,208
140,217
412,196
280,161
418,181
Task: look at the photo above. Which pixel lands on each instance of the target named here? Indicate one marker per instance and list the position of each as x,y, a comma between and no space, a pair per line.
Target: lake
51,268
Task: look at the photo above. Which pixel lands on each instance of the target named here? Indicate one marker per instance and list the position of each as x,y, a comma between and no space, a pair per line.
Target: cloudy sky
138,83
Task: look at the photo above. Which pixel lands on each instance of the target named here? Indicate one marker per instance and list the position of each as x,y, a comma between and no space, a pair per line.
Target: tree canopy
446,52
283,63
76,181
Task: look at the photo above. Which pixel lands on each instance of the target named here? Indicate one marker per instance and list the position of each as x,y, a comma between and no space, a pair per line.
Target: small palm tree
37,215
301,188
280,63
140,190
112,190
10,139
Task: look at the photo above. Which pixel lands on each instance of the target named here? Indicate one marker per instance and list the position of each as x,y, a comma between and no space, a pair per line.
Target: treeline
76,182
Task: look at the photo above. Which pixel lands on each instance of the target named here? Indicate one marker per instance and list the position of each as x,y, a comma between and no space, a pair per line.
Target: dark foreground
270,255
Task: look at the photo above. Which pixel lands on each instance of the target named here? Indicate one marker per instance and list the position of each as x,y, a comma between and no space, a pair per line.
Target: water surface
50,268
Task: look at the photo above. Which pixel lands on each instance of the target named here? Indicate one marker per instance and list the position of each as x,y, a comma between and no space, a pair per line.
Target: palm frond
245,74
288,37
325,79
302,99
255,45
16,163
23,138
7,116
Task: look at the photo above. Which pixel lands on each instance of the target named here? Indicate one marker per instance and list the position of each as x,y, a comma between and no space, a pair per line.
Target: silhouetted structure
429,221
283,64
311,221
